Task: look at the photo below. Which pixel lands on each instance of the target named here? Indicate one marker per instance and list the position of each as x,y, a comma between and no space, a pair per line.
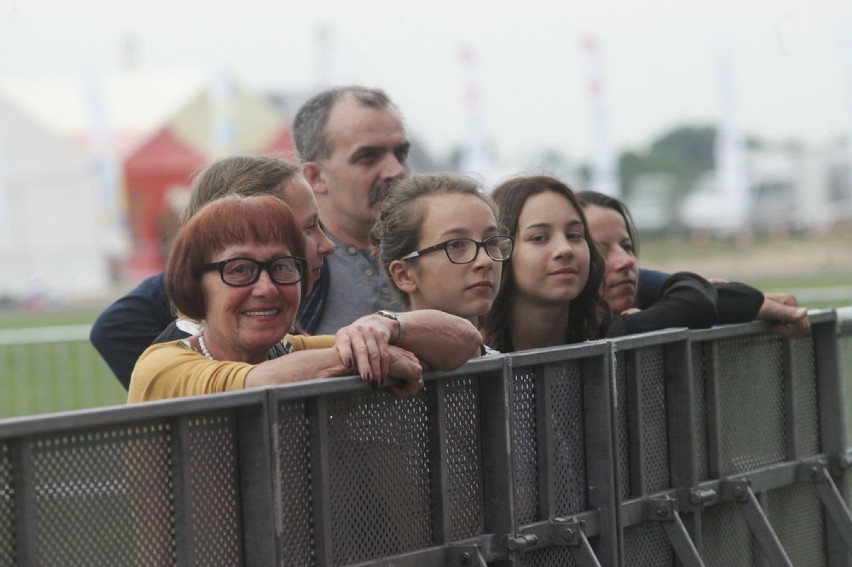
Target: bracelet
398,318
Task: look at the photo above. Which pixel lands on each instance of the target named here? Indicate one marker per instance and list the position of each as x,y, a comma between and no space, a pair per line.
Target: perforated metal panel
296,497
379,475
464,466
726,538
805,395
525,447
699,396
566,419
646,545
103,497
8,541
846,488
655,448
622,426
214,482
796,515
752,411
844,345
548,557
167,491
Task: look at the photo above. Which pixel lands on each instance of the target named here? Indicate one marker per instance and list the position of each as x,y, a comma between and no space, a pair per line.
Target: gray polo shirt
359,286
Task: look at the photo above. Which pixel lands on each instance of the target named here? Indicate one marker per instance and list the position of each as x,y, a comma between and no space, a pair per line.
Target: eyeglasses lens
242,271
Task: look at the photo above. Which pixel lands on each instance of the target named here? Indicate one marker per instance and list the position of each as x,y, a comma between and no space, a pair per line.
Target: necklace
203,346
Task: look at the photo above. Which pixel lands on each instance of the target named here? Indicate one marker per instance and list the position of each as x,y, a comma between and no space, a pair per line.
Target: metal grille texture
296,497
525,444
805,397
214,489
100,497
357,474
8,543
699,393
752,409
380,495
565,419
725,537
655,449
646,545
622,427
548,557
796,515
464,466
844,344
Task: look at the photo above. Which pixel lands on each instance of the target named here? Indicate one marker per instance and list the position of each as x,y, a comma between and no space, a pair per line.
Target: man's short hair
311,119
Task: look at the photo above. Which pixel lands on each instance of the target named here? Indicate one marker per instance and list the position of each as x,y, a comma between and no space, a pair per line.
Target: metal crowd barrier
729,446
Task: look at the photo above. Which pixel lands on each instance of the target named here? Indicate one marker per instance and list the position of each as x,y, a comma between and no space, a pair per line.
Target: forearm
688,300
298,366
443,341
737,303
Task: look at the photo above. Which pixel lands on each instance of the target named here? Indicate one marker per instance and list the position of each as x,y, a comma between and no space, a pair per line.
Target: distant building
789,190
51,245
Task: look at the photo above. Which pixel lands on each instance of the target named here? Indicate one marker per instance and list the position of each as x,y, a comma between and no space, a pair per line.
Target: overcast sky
791,72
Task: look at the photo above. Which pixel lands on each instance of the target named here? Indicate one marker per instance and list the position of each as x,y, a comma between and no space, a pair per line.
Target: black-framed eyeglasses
240,272
464,250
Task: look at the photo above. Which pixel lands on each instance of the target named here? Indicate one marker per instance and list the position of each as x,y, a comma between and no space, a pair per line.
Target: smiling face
551,259
431,280
608,228
242,323
298,195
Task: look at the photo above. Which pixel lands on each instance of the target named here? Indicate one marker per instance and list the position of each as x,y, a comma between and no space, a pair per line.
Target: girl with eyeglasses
439,239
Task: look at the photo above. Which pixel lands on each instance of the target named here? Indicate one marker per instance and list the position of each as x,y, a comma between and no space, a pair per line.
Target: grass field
44,375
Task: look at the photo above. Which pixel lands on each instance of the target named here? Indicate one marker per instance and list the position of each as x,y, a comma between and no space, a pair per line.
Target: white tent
49,230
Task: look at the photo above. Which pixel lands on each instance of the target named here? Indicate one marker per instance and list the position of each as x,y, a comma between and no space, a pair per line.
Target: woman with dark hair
549,291
612,228
640,296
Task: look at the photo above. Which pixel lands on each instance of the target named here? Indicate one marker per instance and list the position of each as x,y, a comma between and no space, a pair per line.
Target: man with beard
353,145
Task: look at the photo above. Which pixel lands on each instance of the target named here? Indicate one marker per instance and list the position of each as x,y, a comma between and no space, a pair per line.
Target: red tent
158,173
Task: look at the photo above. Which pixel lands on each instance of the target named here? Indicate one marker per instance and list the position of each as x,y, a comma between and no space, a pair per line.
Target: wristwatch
396,317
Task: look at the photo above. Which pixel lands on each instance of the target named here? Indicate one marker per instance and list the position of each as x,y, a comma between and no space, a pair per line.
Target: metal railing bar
558,354
740,492
644,340
682,544
762,530
182,495
120,415
833,502
636,424
437,408
23,477
844,321
495,395
42,335
544,443
317,412
583,554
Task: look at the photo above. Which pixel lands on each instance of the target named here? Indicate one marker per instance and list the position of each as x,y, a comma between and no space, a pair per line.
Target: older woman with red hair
238,267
